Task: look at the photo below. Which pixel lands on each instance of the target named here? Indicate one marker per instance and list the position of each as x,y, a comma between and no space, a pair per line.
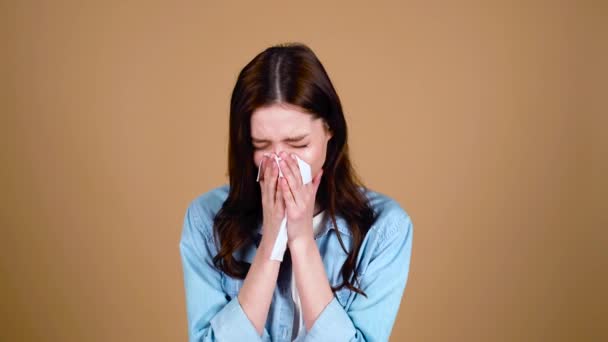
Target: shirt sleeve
211,315
384,280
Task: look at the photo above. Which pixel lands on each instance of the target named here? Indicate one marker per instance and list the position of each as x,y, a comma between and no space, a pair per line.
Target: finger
279,202
272,173
267,168
292,162
289,179
294,166
286,193
292,170
267,164
263,165
260,170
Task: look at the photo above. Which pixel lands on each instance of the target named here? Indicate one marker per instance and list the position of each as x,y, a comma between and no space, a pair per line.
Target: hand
273,205
299,198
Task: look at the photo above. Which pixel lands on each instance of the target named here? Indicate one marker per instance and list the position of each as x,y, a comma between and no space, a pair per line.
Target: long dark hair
288,73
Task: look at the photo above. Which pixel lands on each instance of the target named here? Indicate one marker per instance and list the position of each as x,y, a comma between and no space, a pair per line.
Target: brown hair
287,73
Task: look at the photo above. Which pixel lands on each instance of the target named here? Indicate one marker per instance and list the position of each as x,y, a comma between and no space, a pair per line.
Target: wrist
301,242
299,232
266,246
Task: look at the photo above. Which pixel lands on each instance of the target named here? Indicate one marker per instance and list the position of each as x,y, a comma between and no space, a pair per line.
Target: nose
274,154
277,151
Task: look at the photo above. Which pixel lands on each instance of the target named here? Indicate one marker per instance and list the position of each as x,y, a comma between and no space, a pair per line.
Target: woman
348,250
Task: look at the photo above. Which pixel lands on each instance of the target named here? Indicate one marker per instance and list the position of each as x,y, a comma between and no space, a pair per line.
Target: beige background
485,121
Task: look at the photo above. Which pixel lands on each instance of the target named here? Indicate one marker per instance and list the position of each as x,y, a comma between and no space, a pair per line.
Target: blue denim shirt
215,314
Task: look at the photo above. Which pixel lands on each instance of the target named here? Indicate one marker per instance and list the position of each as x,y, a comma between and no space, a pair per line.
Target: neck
317,209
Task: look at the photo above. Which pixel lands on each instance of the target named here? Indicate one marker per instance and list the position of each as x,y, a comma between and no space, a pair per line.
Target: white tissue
280,244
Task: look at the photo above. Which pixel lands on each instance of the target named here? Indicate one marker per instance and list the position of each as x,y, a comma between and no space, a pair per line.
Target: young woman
346,263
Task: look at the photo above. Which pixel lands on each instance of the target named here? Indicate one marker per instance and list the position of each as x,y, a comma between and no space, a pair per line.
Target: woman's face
287,128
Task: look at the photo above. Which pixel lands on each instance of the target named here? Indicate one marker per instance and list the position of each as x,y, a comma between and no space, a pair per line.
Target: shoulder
209,203
202,209
392,219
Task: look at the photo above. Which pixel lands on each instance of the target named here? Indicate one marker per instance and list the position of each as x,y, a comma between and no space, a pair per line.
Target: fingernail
293,156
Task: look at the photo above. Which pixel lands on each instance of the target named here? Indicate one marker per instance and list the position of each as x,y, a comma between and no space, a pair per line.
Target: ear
328,130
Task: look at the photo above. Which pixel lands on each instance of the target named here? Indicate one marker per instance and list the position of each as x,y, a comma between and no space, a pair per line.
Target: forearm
312,283
256,293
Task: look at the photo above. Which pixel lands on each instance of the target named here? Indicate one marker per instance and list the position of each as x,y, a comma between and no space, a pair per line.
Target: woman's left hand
299,198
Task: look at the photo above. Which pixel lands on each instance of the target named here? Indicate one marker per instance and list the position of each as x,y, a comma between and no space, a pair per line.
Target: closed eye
260,148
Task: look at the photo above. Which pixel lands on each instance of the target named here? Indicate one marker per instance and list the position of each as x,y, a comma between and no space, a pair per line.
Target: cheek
313,156
257,158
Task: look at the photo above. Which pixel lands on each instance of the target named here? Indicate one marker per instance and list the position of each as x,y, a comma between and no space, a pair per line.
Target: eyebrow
289,139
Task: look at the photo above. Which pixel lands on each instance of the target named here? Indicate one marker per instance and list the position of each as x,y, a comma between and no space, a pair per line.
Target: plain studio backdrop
486,121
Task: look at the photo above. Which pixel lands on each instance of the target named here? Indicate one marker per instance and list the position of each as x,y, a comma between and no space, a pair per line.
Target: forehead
280,120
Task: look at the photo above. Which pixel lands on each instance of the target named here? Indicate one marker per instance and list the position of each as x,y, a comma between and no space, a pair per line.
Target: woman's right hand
273,204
